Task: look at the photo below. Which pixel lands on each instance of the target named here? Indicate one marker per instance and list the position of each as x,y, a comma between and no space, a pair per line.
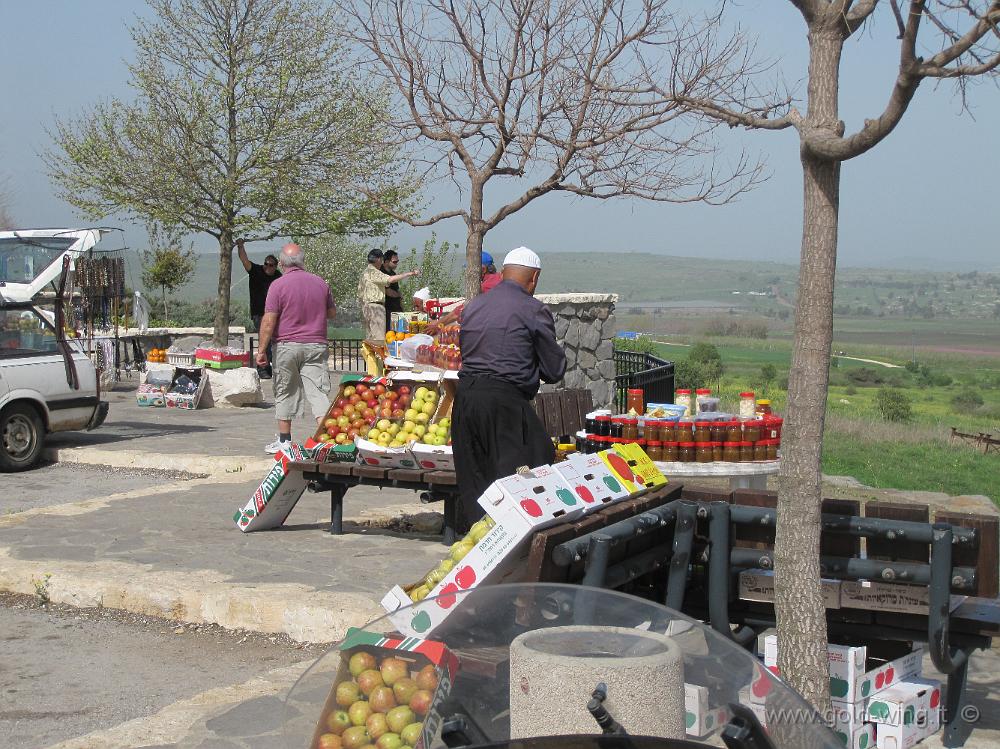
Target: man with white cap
420,299
508,343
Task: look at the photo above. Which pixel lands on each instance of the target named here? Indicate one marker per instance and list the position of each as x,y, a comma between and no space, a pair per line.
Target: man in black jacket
261,277
508,344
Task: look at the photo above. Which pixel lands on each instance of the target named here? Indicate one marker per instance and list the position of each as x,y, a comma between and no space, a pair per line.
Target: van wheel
21,436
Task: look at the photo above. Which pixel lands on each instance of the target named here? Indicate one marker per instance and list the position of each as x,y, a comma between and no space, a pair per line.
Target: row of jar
735,430
671,451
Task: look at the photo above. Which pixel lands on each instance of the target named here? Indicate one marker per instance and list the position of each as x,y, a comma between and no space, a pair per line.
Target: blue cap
487,259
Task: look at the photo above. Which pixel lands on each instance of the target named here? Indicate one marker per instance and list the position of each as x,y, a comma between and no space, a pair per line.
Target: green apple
428,408
373,434
445,422
383,424
419,430
394,429
410,414
389,741
422,419
399,718
411,733
409,423
359,712
420,393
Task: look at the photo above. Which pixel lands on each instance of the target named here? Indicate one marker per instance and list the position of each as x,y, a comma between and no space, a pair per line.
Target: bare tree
946,39
548,96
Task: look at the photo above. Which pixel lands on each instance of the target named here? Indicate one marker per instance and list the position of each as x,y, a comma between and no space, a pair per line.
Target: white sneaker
275,446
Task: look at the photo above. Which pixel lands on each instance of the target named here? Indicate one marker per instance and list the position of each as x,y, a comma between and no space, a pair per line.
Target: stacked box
277,494
188,401
532,500
906,713
700,718
646,474
591,479
151,396
216,359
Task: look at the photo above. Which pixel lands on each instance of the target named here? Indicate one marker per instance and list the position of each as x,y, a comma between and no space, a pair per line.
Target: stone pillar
585,328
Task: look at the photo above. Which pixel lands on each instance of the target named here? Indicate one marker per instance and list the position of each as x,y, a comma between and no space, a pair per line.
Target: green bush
893,405
967,399
641,345
850,390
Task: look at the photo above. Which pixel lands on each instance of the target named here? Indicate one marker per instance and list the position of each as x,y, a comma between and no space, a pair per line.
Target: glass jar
763,407
636,403
700,395
670,451
654,449
703,452
668,431
716,450
760,450
748,404
702,431
682,397
718,431
751,430
734,431
617,426
684,431
604,426
772,449
590,444
629,430
731,452
746,451
590,424
685,452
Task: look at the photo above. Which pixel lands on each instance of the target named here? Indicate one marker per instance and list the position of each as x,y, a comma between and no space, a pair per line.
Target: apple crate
345,381
421,657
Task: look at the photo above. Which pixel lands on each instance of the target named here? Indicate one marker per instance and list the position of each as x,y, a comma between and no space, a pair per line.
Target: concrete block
233,388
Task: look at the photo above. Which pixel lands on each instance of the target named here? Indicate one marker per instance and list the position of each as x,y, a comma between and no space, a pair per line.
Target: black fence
345,355
634,370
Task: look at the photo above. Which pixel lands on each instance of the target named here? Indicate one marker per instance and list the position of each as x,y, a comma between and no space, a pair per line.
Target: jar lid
703,421
731,444
654,443
763,402
630,422
670,443
618,419
747,394
682,391
604,418
633,391
685,444
703,391
716,443
746,444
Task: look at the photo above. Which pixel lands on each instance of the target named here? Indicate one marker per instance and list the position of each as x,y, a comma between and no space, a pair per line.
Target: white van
47,382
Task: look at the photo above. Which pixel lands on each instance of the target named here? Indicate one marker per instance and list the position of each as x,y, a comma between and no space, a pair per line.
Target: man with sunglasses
261,277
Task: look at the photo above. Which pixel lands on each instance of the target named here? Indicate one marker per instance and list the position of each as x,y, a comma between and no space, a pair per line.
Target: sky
924,198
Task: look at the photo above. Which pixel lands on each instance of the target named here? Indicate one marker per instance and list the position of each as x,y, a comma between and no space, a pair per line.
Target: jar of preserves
668,432
590,444
751,430
590,424
772,449
748,404
654,449
685,452
716,450
734,431
763,407
682,397
629,430
651,431
731,452
746,451
616,426
760,450
604,426
684,431
636,403
702,431
700,395
718,431
670,451
703,452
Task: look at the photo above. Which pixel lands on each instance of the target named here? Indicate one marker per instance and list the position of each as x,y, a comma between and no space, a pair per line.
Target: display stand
741,475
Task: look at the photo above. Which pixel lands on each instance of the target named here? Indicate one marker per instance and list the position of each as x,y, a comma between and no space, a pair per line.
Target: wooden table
741,475
339,477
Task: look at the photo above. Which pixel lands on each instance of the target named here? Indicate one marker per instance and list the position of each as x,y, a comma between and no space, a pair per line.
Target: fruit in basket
389,741
355,737
382,699
427,678
342,438
400,717
338,721
410,414
347,693
324,437
359,712
393,669
404,689
376,725
419,593
368,680
349,391
420,702
411,733
329,741
459,549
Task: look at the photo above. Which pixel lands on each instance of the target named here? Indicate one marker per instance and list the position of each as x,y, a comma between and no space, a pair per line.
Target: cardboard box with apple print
494,559
700,717
632,467
592,481
277,494
906,713
429,665
532,500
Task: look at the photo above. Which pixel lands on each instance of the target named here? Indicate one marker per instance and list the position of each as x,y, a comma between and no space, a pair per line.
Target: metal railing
636,370
345,355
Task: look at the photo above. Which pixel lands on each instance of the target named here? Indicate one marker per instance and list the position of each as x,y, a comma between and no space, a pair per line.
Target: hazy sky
926,196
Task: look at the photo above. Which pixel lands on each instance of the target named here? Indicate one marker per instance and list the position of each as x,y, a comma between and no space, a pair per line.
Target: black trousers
494,432
270,346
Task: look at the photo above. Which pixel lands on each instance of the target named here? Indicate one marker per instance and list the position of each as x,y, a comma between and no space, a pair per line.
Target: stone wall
586,327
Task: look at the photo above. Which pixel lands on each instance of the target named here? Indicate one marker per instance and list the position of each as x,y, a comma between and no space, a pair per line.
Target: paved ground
115,525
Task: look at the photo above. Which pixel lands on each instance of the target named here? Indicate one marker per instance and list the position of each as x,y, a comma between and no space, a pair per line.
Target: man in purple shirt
295,314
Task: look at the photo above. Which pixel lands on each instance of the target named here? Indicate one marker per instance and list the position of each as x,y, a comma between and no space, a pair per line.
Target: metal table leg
337,509
450,518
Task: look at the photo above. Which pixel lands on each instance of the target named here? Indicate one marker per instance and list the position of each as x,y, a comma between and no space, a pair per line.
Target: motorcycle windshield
546,667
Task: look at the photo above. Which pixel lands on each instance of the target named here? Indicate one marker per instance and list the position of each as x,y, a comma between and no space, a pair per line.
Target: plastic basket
180,360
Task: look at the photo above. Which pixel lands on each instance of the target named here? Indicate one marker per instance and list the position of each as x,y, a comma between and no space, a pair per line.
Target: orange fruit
390,337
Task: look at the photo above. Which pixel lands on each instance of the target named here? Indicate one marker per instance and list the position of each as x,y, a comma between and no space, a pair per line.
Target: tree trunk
799,609
473,263
220,335
163,289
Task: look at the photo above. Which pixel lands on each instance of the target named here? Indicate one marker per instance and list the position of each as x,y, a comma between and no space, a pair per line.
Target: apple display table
741,475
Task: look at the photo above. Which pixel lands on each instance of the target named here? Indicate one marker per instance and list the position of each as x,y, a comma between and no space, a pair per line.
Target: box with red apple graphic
590,478
386,685
534,499
277,494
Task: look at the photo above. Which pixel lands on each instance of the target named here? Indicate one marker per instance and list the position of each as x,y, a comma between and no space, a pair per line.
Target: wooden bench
563,412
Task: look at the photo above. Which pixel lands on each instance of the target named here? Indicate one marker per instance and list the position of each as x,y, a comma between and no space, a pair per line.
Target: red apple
368,414
336,413
404,689
361,661
372,403
376,725
341,402
391,396
355,737
349,411
333,431
385,412
394,669
338,721
404,390
361,389
368,680
354,399
347,693
382,699
446,598
379,389
420,702
404,401
465,577
341,439
329,741
352,433
427,678
330,422
397,413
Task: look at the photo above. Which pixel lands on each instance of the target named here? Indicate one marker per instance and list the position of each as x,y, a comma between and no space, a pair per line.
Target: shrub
967,399
850,390
641,345
893,405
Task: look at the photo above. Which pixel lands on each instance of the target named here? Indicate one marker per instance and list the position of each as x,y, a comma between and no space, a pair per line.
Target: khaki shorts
300,373
374,317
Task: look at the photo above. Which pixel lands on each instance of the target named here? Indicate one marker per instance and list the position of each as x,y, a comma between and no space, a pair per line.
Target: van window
24,333
23,258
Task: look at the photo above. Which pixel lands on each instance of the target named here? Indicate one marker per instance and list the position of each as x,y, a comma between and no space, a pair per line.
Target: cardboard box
759,709
433,457
491,560
151,396
701,719
647,474
187,401
861,738
848,718
854,675
215,359
331,452
277,494
536,499
906,713
416,653
758,585
590,478
895,597
373,454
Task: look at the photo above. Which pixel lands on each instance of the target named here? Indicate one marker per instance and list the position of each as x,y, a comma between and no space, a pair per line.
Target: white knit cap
524,257
422,294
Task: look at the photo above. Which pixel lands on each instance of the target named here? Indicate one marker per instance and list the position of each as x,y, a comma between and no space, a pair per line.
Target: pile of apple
363,408
415,422
456,554
381,706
